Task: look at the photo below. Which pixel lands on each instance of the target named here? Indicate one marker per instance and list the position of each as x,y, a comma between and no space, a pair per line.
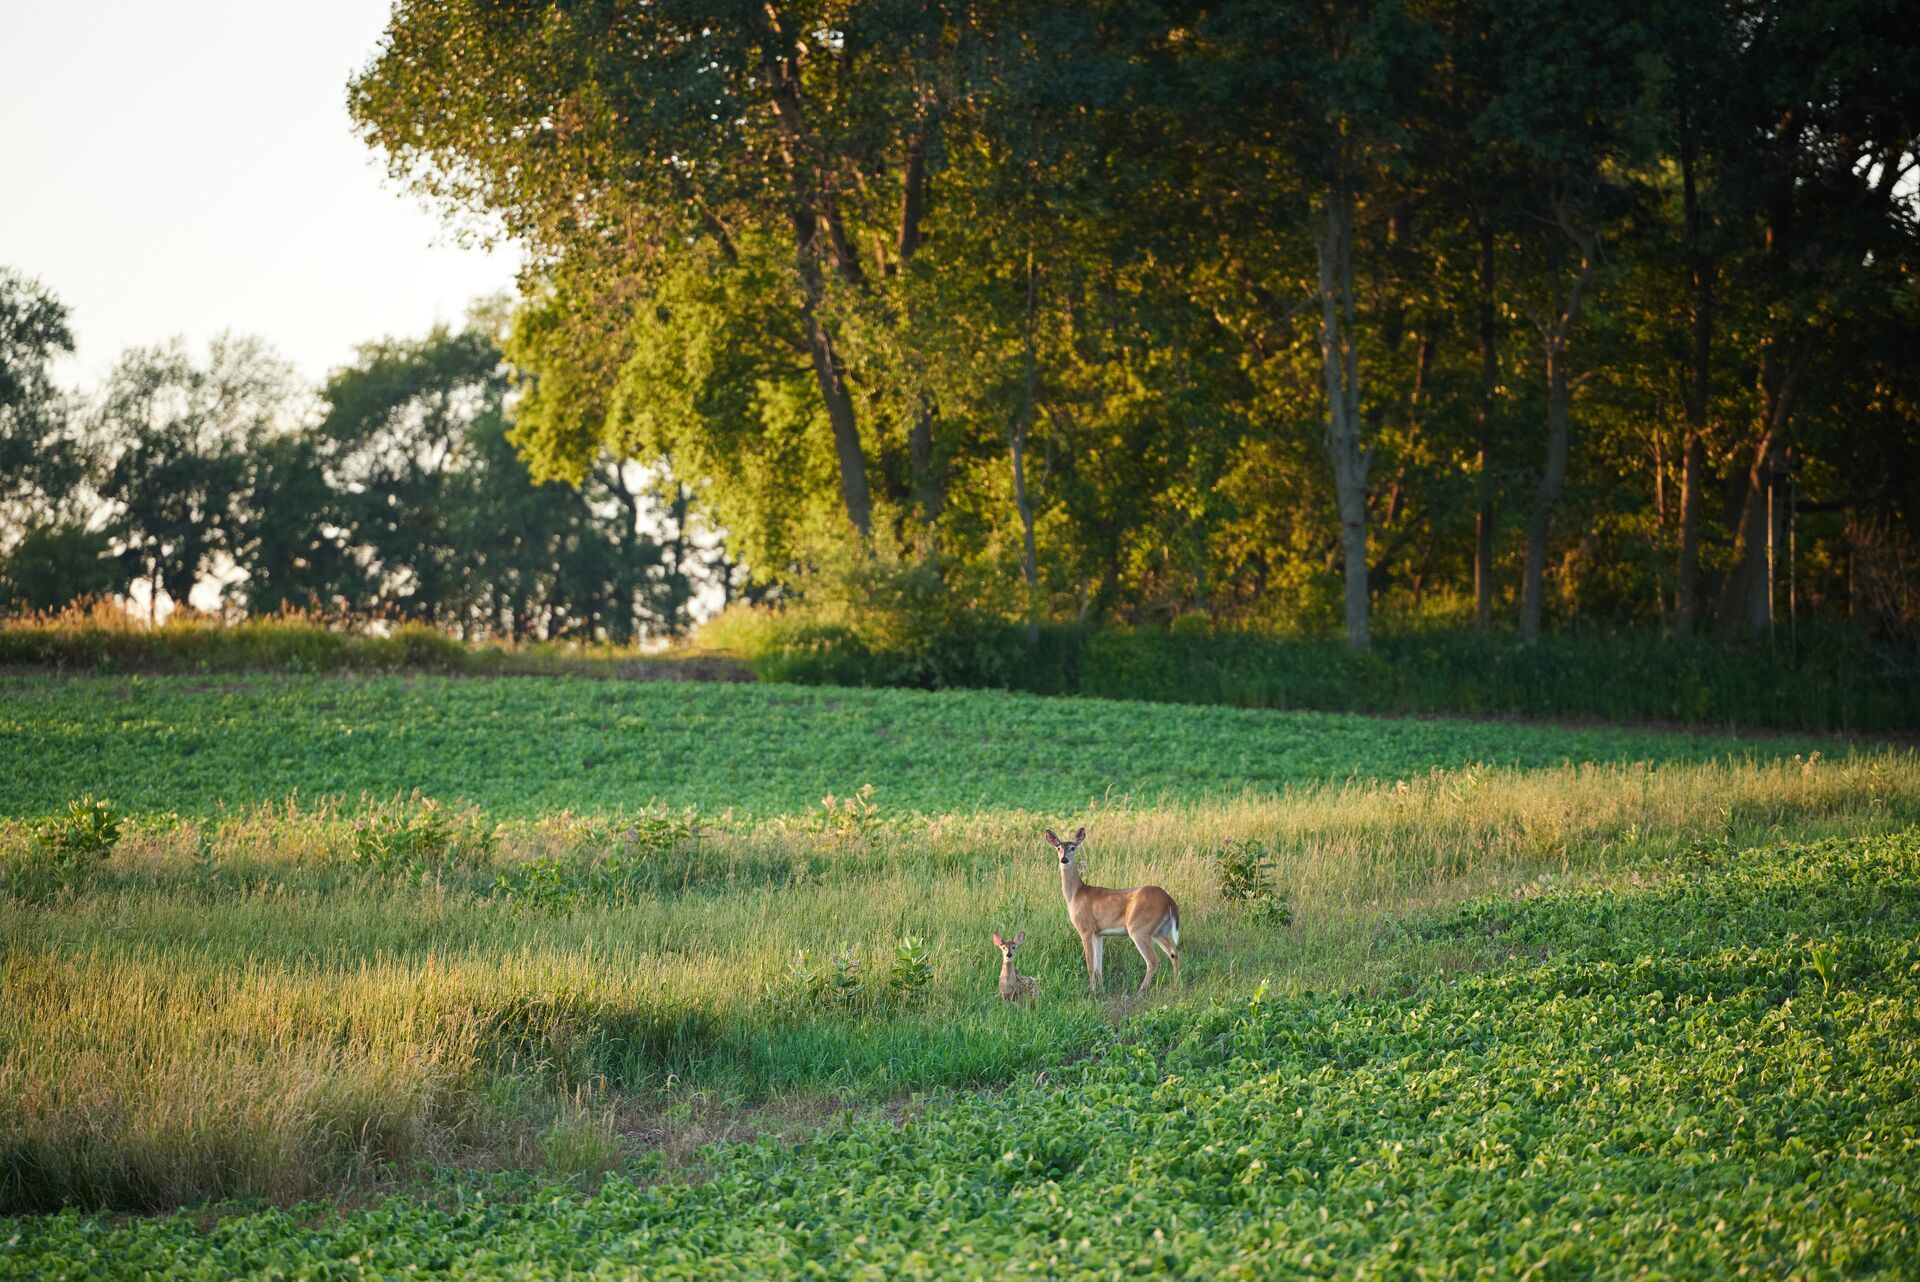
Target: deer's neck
1070,883
1007,972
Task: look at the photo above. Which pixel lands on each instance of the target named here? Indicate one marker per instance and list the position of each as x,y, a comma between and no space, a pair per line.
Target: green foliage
289,1025
1246,880
177,479
631,857
85,834
849,818
1836,681
606,748
912,969
813,984
53,564
1093,391
42,456
417,836
1568,1114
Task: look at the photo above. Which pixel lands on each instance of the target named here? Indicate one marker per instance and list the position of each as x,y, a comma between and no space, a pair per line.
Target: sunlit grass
235,1007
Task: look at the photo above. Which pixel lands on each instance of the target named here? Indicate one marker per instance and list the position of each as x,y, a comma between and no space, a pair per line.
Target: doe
1145,914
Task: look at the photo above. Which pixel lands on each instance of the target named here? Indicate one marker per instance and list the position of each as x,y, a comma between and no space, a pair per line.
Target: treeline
394,493
1285,312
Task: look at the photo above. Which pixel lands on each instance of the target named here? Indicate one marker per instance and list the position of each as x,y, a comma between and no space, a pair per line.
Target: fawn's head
1069,851
1006,946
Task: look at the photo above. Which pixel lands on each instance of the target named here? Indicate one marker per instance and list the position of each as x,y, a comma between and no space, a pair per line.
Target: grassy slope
526,747
245,1007
237,1006
1708,1074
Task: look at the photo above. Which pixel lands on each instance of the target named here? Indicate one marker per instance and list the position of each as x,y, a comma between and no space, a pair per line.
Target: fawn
1145,914
1014,986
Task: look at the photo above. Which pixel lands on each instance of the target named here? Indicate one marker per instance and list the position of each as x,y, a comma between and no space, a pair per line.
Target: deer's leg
1146,955
1090,945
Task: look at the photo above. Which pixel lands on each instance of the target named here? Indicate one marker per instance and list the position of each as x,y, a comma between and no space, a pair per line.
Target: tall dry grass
239,1008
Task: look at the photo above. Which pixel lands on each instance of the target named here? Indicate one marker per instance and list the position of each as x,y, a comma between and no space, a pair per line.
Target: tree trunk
1483,433
1693,469
839,401
913,198
1693,463
812,206
1333,252
929,487
1746,602
1022,427
1539,521
1555,335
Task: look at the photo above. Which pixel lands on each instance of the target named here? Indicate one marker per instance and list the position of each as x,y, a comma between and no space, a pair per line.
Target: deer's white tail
1172,928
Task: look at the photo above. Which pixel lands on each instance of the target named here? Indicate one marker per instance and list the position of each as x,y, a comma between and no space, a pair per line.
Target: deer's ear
997,941
1080,836
1052,840
1019,939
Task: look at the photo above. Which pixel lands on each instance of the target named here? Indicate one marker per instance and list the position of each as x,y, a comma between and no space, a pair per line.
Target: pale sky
187,166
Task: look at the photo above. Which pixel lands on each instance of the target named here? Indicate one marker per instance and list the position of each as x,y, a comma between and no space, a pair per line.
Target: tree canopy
1280,312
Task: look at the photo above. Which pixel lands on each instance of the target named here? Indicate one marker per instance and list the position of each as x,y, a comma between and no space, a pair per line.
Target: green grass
1706,1070
532,747
273,1004
1534,977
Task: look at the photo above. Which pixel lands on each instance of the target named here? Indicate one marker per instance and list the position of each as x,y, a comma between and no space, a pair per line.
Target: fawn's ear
1080,836
1053,840
1019,939
997,941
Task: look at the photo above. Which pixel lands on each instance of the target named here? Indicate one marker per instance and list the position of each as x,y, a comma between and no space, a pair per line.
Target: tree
175,432
397,425
626,139
1829,137
441,520
1323,94
41,462
289,528
49,552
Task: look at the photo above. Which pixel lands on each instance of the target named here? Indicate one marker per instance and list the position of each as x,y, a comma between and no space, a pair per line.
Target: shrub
810,983
912,969
1246,880
634,863
851,818
417,836
85,835
1835,680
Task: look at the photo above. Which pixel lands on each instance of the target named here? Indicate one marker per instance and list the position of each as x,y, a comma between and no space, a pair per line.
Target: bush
1246,880
634,863
812,984
418,836
1836,680
912,969
85,835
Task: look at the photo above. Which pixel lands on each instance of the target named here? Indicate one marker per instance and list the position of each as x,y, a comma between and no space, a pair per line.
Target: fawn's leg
1146,955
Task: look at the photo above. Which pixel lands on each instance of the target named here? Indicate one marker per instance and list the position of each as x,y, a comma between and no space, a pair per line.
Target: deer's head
1006,946
1069,851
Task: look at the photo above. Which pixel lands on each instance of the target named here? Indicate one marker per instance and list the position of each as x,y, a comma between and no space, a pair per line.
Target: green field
530,747
1587,1002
